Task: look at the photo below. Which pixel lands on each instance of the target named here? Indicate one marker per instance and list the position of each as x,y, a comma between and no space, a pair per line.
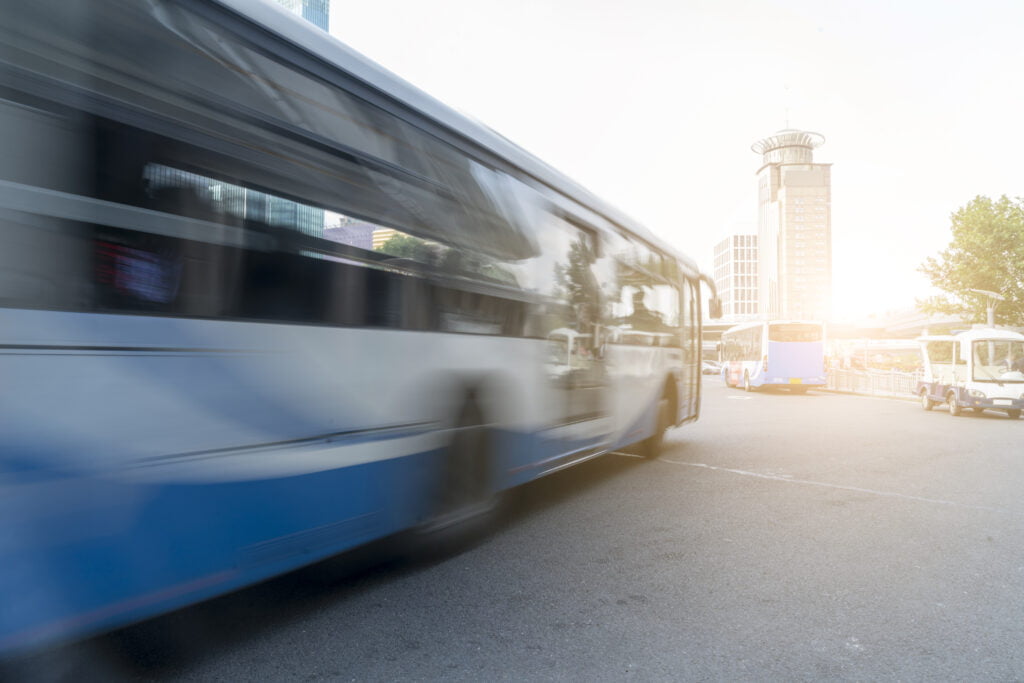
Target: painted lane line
789,480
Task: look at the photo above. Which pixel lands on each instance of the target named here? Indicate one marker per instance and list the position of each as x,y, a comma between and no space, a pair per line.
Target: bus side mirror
714,308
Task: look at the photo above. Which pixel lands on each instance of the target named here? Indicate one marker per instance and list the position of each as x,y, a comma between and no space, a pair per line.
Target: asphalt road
782,537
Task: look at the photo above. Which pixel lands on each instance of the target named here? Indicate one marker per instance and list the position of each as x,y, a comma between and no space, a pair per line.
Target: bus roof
984,333
299,32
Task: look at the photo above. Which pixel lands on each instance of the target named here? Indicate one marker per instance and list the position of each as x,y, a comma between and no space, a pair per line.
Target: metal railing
874,382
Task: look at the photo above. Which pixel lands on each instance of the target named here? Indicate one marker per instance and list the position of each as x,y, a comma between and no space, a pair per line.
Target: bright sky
653,105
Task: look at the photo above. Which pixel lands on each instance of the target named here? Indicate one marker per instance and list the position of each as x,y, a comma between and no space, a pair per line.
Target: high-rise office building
316,12
381,237
735,274
794,227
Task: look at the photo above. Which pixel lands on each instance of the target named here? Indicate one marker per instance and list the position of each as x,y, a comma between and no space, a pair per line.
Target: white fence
874,382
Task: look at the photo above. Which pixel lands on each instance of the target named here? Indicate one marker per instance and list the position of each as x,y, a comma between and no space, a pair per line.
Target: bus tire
746,382
954,406
926,402
651,446
464,502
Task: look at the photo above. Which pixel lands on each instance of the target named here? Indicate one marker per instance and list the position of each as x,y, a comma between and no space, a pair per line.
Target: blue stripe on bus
90,551
109,543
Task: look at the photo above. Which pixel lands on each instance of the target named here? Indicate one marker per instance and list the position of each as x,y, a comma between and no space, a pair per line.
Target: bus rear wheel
746,382
651,446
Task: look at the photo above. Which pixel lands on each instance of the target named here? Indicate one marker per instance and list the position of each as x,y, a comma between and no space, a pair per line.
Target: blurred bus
774,353
262,302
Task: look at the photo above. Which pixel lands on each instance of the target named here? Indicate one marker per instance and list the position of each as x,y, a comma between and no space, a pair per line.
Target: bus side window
647,310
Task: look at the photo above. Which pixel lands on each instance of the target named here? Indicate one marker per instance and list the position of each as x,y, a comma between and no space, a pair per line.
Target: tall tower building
794,222
736,276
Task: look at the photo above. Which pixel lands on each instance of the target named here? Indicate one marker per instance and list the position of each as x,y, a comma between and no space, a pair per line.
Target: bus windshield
794,333
998,360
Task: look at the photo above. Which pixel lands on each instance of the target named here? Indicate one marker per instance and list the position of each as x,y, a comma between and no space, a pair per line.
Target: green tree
577,284
436,255
407,246
986,252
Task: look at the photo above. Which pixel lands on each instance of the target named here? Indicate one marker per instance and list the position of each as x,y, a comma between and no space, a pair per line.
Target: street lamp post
992,298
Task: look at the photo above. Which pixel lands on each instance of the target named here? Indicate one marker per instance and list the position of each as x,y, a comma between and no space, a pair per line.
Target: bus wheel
464,502
651,446
1014,414
746,382
926,402
954,405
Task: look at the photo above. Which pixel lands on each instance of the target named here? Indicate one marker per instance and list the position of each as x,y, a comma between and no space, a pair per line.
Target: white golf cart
977,369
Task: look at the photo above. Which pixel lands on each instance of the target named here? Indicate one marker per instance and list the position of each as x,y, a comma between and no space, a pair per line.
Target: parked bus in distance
777,353
979,369
262,302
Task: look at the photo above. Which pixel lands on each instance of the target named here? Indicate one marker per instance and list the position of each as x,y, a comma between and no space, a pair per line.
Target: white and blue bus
262,302
781,353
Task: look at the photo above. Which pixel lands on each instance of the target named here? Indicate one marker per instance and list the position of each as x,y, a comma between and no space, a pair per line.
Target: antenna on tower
785,102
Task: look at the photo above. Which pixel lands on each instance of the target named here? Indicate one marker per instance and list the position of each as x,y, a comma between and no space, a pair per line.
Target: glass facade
316,12
736,266
238,202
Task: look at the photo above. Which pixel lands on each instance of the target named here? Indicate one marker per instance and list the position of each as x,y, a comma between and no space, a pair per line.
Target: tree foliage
986,252
445,258
576,282
407,246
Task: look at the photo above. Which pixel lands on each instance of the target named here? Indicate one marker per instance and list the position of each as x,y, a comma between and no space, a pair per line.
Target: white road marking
807,482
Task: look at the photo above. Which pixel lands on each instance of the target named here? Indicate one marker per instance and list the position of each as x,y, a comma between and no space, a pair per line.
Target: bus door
689,339
643,331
